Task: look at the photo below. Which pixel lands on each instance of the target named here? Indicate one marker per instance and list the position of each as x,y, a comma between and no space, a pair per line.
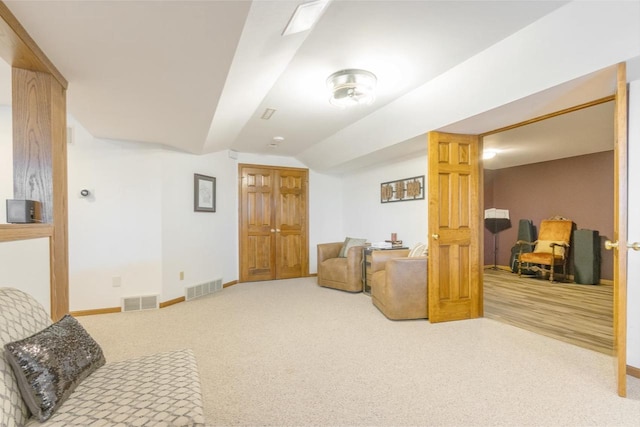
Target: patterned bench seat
157,390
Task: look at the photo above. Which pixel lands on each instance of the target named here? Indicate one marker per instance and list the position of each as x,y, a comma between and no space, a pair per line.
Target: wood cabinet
273,222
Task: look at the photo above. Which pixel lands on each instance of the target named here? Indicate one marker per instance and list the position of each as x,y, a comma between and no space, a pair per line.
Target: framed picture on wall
402,190
204,193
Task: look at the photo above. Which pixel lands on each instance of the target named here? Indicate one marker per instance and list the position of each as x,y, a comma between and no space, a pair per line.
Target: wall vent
197,291
137,303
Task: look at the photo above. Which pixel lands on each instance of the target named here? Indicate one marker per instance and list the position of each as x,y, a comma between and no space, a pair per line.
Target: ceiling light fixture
304,17
352,87
276,141
489,154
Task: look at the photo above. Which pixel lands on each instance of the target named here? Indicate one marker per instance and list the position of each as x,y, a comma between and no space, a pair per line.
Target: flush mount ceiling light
304,17
351,87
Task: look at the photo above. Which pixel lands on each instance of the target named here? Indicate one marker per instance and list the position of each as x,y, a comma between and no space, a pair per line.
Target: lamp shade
351,87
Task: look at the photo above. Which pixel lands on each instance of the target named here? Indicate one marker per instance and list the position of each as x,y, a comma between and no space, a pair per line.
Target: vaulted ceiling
198,75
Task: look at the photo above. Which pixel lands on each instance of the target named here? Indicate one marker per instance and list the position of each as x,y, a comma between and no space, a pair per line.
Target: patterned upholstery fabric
158,390
20,316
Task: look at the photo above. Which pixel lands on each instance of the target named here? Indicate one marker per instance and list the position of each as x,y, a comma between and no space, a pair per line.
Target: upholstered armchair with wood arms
551,248
344,273
399,284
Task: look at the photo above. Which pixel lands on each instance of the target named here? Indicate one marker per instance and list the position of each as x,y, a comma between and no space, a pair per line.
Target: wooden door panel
455,281
290,257
291,220
257,241
464,201
258,210
259,256
290,212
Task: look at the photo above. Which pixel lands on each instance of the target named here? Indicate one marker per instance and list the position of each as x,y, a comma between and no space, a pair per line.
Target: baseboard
118,309
96,311
499,267
633,371
171,302
313,275
231,283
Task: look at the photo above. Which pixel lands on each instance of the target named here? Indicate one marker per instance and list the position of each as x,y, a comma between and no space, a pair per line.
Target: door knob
277,230
635,246
435,236
608,245
273,231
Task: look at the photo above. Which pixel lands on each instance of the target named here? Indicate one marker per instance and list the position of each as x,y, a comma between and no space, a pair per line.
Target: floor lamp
496,220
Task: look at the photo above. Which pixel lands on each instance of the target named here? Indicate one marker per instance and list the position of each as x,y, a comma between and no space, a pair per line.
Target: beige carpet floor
291,353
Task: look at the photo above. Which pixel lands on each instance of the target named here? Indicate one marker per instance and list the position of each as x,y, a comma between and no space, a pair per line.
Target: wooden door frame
620,229
620,213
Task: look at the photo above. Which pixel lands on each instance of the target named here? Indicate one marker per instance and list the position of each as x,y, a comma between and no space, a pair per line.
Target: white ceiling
197,75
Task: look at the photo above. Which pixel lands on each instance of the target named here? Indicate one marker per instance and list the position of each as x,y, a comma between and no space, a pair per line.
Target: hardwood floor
578,314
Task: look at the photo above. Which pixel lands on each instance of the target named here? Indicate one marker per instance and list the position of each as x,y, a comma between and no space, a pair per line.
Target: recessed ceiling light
304,17
278,139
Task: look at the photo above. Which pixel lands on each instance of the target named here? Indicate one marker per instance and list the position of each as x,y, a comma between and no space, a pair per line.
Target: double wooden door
273,222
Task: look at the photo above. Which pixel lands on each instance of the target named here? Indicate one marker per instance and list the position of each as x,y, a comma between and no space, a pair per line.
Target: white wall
139,225
366,217
633,266
23,264
115,232
203,245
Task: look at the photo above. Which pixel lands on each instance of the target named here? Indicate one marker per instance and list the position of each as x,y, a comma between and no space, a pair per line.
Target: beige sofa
399,284
340,273
157,390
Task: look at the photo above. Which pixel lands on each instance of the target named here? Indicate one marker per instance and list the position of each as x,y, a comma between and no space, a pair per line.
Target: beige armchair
340,273
399,284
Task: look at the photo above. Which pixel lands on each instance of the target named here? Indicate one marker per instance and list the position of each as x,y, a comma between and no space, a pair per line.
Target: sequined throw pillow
49,365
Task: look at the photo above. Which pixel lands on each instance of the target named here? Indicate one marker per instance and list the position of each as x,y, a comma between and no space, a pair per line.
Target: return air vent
202,289
137,303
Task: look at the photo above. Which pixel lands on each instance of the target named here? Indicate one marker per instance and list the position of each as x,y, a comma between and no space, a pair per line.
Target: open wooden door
455,270
620,232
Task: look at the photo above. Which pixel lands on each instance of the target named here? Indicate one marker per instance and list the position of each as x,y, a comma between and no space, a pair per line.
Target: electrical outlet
182,275
116,281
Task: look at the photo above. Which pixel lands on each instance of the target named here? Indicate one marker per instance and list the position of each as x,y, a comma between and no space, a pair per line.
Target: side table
366,266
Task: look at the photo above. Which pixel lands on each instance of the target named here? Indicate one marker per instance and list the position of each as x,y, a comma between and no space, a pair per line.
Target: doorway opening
563,166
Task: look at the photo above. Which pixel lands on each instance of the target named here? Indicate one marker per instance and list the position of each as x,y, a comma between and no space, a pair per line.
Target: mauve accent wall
579,188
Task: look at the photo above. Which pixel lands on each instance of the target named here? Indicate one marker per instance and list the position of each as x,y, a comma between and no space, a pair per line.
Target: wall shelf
13,232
